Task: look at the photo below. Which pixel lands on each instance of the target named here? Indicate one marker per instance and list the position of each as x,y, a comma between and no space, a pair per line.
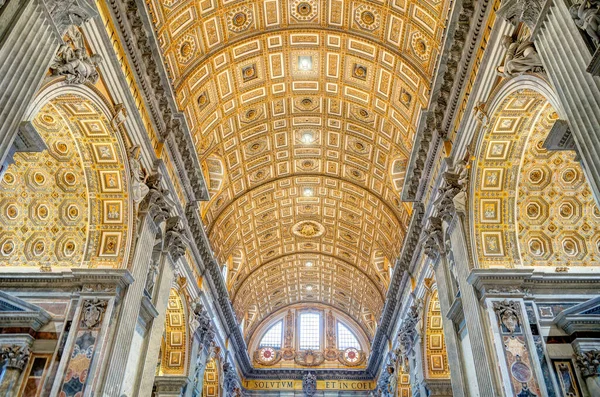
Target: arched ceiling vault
303,114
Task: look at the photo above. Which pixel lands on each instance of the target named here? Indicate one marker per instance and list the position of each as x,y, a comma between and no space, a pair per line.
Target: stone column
31,32
13,358
474,318
589,365
130,308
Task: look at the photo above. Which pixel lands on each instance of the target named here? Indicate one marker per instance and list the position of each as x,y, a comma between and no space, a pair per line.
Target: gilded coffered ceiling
303,114
532,207
66,206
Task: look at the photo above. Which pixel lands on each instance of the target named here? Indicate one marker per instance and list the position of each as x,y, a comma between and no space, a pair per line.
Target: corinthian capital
15,356
65,13
526,11
589,363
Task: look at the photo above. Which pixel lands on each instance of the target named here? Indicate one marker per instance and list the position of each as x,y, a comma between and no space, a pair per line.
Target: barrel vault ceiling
303,114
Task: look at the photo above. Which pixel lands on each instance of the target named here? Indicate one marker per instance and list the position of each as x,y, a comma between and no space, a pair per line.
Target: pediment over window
17,313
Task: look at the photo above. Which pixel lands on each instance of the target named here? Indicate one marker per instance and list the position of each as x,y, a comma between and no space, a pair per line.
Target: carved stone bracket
156,203
15,356
434,240
408,330
231,381
175,239
201,322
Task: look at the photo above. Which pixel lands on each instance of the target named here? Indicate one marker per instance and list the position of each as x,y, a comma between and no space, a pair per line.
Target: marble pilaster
566,57
131,305
161,296
474,318
442,279
28,43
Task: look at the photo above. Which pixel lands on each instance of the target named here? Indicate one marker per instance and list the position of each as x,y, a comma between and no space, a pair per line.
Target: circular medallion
351,355
39,178
308,229
304,8
38,248
520,372
368,17
239,19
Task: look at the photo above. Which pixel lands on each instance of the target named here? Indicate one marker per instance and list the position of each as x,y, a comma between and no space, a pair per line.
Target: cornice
143,51
89,281
27,315
524,282
458,52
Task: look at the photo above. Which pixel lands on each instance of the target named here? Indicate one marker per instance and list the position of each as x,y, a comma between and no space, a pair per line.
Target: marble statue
73,62
139,175
587,17
521,57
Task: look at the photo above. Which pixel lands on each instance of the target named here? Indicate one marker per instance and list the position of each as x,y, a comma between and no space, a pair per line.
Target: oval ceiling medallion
308,229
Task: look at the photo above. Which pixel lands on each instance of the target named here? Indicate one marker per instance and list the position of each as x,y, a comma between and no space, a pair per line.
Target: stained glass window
345,338
310,331
272,337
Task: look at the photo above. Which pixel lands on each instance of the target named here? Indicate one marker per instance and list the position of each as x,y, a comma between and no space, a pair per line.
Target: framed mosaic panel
497,150
567,380
490,210
437,362
112,211
493,243
492,179
110,243
110,181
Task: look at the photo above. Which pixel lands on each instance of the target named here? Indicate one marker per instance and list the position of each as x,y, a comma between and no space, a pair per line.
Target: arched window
310,331
272,337
346,338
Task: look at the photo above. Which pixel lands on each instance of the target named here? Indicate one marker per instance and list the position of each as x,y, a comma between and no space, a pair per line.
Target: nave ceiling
303,114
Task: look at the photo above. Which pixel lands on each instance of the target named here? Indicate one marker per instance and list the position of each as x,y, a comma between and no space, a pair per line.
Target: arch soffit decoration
434,349
175,360
238,77
531,226
103,225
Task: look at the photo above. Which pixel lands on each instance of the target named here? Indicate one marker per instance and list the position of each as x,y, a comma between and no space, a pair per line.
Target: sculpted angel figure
587,17
139,175
73,61
521,56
